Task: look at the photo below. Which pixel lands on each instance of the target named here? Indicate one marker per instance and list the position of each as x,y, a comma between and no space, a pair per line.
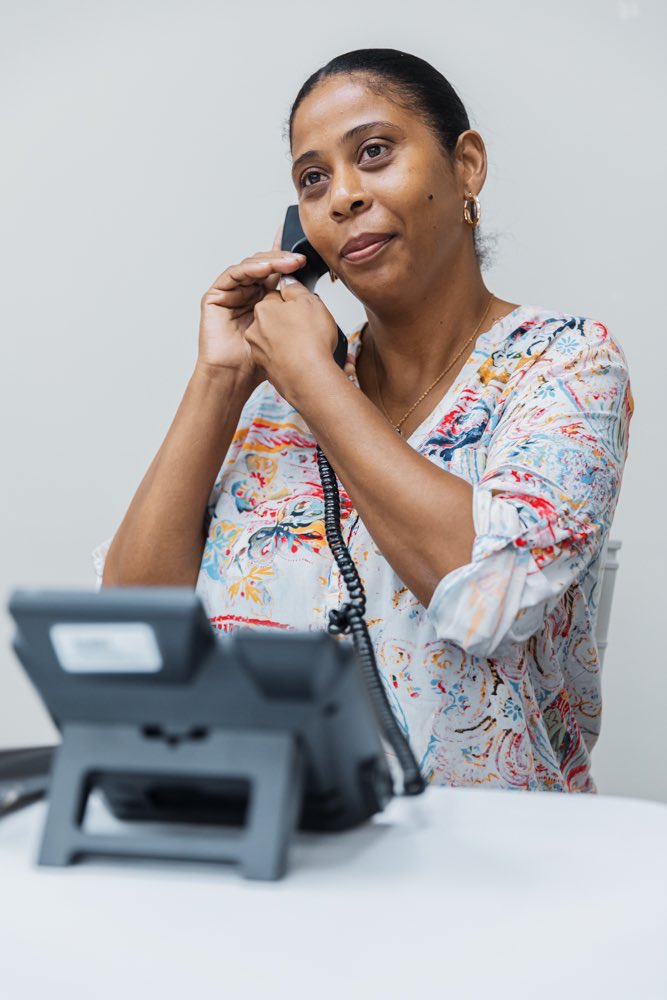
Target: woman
479,444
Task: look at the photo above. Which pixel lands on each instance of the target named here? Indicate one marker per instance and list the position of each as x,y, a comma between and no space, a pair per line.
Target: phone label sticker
106,647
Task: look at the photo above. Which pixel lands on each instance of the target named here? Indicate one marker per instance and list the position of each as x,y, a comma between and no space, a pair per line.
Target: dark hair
414,85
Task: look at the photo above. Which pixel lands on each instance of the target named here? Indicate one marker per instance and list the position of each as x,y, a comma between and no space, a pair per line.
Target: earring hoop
333,276
472,211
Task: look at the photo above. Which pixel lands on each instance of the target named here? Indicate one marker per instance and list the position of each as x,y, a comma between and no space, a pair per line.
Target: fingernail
286,280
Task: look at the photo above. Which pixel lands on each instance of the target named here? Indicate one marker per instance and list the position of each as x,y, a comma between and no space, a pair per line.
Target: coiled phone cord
350,618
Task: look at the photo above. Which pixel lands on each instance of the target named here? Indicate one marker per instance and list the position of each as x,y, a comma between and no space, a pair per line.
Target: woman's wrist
226,380
316,381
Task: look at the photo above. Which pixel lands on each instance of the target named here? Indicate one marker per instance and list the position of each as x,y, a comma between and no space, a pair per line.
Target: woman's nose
346,194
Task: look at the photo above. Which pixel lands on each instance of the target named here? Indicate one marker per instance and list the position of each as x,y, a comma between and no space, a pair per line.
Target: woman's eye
375,145
309,174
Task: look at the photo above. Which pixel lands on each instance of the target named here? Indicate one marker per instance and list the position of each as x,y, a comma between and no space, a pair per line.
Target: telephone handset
349,618
294,240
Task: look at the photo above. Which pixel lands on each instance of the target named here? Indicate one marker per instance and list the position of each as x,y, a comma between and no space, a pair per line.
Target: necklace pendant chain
442,374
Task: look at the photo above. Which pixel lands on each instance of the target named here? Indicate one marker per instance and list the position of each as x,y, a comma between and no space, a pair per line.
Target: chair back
609,567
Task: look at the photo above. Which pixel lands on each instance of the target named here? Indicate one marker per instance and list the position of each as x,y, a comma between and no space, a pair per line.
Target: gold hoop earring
333,276
472,216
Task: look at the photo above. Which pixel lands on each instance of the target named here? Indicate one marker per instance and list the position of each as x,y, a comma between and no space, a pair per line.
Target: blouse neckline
496,333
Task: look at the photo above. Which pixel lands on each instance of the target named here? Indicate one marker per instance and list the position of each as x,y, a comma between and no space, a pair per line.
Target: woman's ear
470,162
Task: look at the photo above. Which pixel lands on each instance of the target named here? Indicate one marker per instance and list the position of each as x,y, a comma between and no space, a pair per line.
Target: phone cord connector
350,618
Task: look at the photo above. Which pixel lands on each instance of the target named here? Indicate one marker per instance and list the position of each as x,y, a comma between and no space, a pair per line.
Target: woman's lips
369,251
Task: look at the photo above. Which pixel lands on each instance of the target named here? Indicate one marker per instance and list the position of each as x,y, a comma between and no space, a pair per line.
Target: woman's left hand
293,333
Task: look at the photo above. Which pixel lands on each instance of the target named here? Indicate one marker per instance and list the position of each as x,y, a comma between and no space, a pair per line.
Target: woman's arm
161,538
420,516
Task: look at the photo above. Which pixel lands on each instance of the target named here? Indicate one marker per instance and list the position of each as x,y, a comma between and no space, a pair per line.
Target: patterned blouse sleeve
543,507
99,553
246,419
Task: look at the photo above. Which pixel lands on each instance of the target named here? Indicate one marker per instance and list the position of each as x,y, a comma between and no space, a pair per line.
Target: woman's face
378,180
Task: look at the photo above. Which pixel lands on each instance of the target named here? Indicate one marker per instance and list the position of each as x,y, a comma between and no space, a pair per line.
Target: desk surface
462,893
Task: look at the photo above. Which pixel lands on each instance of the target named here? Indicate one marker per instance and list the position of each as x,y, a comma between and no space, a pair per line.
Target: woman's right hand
227,310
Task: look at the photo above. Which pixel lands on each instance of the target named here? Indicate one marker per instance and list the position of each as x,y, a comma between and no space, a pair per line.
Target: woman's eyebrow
350,134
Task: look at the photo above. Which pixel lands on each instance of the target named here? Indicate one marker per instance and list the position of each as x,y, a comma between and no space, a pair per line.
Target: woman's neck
413,344
415,328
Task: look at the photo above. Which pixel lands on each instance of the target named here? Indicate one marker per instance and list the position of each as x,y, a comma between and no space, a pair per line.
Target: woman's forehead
337,105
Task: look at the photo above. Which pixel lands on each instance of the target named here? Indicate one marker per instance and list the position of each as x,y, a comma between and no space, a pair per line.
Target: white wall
143,155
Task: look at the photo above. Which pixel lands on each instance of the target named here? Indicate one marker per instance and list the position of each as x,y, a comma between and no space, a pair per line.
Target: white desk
459,894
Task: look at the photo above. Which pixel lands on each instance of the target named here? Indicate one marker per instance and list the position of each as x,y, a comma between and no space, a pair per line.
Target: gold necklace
441,375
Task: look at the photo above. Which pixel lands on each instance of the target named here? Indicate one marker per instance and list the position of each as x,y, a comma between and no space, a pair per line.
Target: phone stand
270,763
211,749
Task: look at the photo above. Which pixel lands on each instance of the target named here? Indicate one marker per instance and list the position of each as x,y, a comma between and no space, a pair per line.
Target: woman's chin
387,283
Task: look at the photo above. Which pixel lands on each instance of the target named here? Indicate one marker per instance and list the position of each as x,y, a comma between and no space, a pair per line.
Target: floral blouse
497,681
